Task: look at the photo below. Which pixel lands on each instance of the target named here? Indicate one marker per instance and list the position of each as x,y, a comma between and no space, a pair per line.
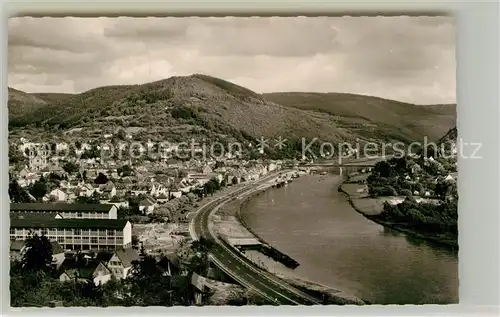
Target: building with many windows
71,211
71,233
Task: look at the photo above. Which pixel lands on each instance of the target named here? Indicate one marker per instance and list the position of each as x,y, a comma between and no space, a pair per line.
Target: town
174,162
114,212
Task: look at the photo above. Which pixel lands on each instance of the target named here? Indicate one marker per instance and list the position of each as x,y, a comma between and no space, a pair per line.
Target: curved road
237,265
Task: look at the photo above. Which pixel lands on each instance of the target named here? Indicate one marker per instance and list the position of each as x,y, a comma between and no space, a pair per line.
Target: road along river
236,265
313,223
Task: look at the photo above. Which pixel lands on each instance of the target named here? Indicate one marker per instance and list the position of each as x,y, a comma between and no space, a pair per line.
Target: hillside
51,97
176,108
448,143
21,103
369,115
204,107
450,136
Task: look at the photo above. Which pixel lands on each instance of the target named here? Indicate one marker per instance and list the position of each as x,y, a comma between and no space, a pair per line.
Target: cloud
404,58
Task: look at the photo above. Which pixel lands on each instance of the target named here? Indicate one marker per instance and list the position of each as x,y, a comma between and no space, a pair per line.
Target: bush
182,112
405,192
388,191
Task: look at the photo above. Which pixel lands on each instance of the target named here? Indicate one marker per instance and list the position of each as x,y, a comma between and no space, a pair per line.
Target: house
108,190
84,190
166,267
65,184
120,261
206,170
147,205
84,270
272,167
199,179
28,179
56,195
24,173
449,179
170,265
57,254
158,189
163,198
118,203
17,248
176,193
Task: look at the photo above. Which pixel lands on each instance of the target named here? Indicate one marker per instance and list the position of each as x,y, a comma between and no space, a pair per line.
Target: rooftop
49,220
56,247
127,256
59,207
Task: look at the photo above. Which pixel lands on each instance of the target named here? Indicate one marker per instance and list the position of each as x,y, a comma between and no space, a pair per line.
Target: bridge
357,162
346,164
229,260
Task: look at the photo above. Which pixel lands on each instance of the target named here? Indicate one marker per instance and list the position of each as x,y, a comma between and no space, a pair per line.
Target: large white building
73,226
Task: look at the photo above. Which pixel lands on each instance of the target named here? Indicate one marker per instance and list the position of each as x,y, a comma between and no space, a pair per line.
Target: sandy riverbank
228,221
371,208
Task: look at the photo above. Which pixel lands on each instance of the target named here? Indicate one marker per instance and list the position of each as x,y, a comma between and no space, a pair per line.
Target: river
314,224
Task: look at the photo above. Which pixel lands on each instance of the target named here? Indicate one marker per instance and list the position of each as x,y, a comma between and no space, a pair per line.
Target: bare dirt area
162,237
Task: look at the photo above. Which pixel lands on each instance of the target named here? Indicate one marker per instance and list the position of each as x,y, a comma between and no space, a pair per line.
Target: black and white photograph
233,161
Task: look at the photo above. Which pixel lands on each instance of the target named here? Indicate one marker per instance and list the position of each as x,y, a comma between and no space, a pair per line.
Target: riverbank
371,208
228,221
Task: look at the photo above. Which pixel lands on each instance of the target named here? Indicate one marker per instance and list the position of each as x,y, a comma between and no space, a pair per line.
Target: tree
17,194
147,285
208,188
441,189
405,192
384,169
93,152
121,134
70,167
94,199
39,189
201,245
38,254
135,241
124,171
123,212
234,181
101,179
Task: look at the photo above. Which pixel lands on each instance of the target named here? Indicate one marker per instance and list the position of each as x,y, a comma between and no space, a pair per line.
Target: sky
410,59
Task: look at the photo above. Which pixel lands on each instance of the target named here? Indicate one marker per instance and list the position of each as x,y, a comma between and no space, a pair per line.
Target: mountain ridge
212,107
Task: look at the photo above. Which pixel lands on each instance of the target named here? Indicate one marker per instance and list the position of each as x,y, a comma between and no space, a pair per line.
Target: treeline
389,178
426,217
392,178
